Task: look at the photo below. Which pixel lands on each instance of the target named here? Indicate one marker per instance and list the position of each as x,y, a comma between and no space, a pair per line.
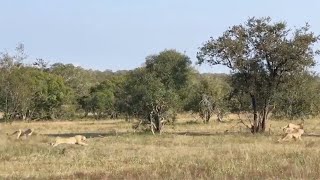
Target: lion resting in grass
25,133
78,139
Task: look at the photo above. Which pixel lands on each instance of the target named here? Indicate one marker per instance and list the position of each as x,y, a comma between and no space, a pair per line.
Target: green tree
32,93
207,93
155,90
102,98
49,97
9,64
261,55
171,67
77,78
17,92
174,71
148,98
298,98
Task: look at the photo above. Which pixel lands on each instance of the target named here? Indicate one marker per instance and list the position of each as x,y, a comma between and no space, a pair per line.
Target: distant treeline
167,80
269,73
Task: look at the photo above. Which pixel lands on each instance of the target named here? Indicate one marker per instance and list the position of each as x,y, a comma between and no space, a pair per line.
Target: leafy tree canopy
261,55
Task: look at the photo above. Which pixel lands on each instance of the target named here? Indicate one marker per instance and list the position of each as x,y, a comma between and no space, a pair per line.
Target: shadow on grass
104,122
311,134
89,134
113,133
200,122
190,122
193,133
181,133
76,175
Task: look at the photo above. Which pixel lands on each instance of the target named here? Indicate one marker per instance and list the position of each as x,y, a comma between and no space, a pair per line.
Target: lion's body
291,127
25,133
295,134
78,139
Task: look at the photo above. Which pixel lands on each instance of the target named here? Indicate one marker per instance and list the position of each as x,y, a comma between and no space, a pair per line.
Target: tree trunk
259,122
256,123
86,114
219,115
157,123
207,116
264,117
127,118
6,114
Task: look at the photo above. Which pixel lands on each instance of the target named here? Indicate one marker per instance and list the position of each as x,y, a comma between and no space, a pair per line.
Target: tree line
269,73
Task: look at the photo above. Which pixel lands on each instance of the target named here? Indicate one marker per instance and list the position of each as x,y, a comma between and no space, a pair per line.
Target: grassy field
188,150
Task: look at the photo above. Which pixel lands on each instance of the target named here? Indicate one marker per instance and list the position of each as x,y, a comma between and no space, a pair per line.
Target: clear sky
119,34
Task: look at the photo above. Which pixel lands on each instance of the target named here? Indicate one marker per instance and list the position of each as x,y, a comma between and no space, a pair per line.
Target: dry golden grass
188,150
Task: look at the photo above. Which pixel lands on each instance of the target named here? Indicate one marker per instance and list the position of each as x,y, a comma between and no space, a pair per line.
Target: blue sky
120,34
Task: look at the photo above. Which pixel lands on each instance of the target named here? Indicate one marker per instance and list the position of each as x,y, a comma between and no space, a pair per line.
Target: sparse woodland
270,73
270,77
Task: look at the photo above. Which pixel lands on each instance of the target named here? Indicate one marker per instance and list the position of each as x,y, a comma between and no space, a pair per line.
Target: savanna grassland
188,150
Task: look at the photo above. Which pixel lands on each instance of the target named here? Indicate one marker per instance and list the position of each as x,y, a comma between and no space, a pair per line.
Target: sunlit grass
188,150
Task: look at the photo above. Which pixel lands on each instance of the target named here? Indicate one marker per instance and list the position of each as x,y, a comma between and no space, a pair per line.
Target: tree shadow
88,134
200,122
193,133
311,134
190,122
235,133
104,122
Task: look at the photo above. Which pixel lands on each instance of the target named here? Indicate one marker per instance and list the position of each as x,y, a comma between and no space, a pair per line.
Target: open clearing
188,150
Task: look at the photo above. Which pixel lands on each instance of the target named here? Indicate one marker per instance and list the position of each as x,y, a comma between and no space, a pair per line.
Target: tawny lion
292,126
78,139
294,134
21,133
